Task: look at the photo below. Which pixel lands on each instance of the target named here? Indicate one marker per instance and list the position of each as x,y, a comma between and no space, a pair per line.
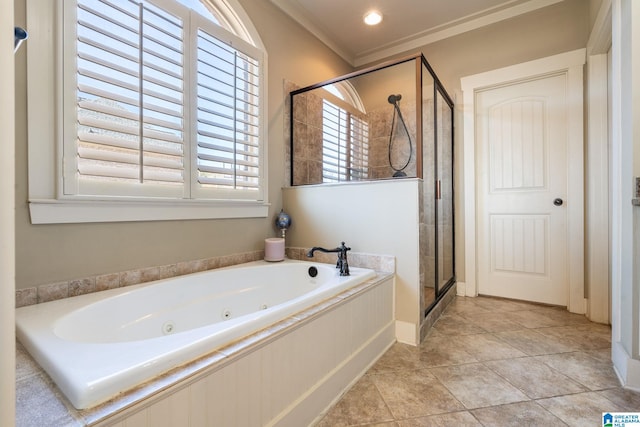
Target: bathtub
98,345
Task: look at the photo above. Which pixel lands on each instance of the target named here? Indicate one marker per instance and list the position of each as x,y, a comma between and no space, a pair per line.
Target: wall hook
20,35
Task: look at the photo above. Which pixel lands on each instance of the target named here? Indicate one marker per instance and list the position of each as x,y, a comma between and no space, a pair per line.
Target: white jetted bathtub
97,345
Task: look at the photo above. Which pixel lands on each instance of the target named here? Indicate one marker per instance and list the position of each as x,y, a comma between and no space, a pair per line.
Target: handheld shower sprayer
394,100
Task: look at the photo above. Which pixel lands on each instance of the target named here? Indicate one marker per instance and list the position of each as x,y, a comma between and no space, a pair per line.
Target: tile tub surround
382,263
40,403
102,282
492,362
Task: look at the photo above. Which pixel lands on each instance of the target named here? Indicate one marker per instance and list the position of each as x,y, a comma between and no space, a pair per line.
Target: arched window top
229,15
346,92
204,8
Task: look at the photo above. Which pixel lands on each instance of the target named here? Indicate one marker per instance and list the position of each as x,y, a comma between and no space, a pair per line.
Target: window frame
47,203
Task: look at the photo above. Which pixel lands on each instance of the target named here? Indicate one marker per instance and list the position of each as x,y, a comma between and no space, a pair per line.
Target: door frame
598,146
571,64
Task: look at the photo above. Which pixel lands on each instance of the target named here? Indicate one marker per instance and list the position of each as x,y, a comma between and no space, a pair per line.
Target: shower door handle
438,193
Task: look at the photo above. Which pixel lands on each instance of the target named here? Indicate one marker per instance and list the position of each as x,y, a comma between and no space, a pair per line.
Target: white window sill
50,211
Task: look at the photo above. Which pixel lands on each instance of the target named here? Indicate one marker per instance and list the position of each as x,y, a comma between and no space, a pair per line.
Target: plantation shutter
359,149
228,116
345,145
334,136
167,104
130,102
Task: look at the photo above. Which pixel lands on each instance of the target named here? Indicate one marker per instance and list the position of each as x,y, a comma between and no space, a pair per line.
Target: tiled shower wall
401,148
307,116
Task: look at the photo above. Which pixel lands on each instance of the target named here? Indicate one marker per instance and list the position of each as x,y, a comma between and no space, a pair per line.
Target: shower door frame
438,89
418,58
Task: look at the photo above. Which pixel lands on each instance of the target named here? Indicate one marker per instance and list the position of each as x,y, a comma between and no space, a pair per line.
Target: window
130,131
345,137
163,102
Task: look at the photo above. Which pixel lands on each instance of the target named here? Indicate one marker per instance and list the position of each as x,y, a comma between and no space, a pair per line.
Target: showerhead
394,98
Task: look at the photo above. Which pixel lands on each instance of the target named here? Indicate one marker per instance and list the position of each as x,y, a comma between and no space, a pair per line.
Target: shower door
436,232
428,194
445,271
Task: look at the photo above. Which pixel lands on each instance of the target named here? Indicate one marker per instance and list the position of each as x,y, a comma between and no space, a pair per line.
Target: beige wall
594,8
7,318
50,253
555,29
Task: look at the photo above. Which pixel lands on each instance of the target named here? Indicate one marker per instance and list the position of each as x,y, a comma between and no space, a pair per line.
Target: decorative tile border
102,282
382,263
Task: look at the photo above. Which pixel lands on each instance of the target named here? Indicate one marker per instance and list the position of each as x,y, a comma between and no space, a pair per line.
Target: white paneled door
522,198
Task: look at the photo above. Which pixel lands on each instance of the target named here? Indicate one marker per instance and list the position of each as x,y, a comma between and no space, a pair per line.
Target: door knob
558,202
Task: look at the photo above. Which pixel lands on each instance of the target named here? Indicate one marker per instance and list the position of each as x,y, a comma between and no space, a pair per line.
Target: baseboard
406,332
627,368
462,286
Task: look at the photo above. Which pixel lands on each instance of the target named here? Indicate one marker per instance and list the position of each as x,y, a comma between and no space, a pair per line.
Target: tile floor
492,362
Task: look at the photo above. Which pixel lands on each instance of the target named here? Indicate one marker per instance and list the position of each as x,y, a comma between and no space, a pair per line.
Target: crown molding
432,35
601,35
450,29
291,8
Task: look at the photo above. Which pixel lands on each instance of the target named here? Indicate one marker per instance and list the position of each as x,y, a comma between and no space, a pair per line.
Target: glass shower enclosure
393,121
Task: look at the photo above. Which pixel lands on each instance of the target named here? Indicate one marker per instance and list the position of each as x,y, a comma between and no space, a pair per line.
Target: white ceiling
406,25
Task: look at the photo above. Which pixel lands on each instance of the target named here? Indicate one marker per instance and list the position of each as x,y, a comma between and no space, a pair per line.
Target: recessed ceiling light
372,17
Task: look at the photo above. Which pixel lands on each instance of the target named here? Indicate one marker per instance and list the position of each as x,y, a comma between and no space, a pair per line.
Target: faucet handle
343,264
343,248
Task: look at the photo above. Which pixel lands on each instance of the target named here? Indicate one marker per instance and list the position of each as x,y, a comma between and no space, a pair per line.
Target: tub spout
341,250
